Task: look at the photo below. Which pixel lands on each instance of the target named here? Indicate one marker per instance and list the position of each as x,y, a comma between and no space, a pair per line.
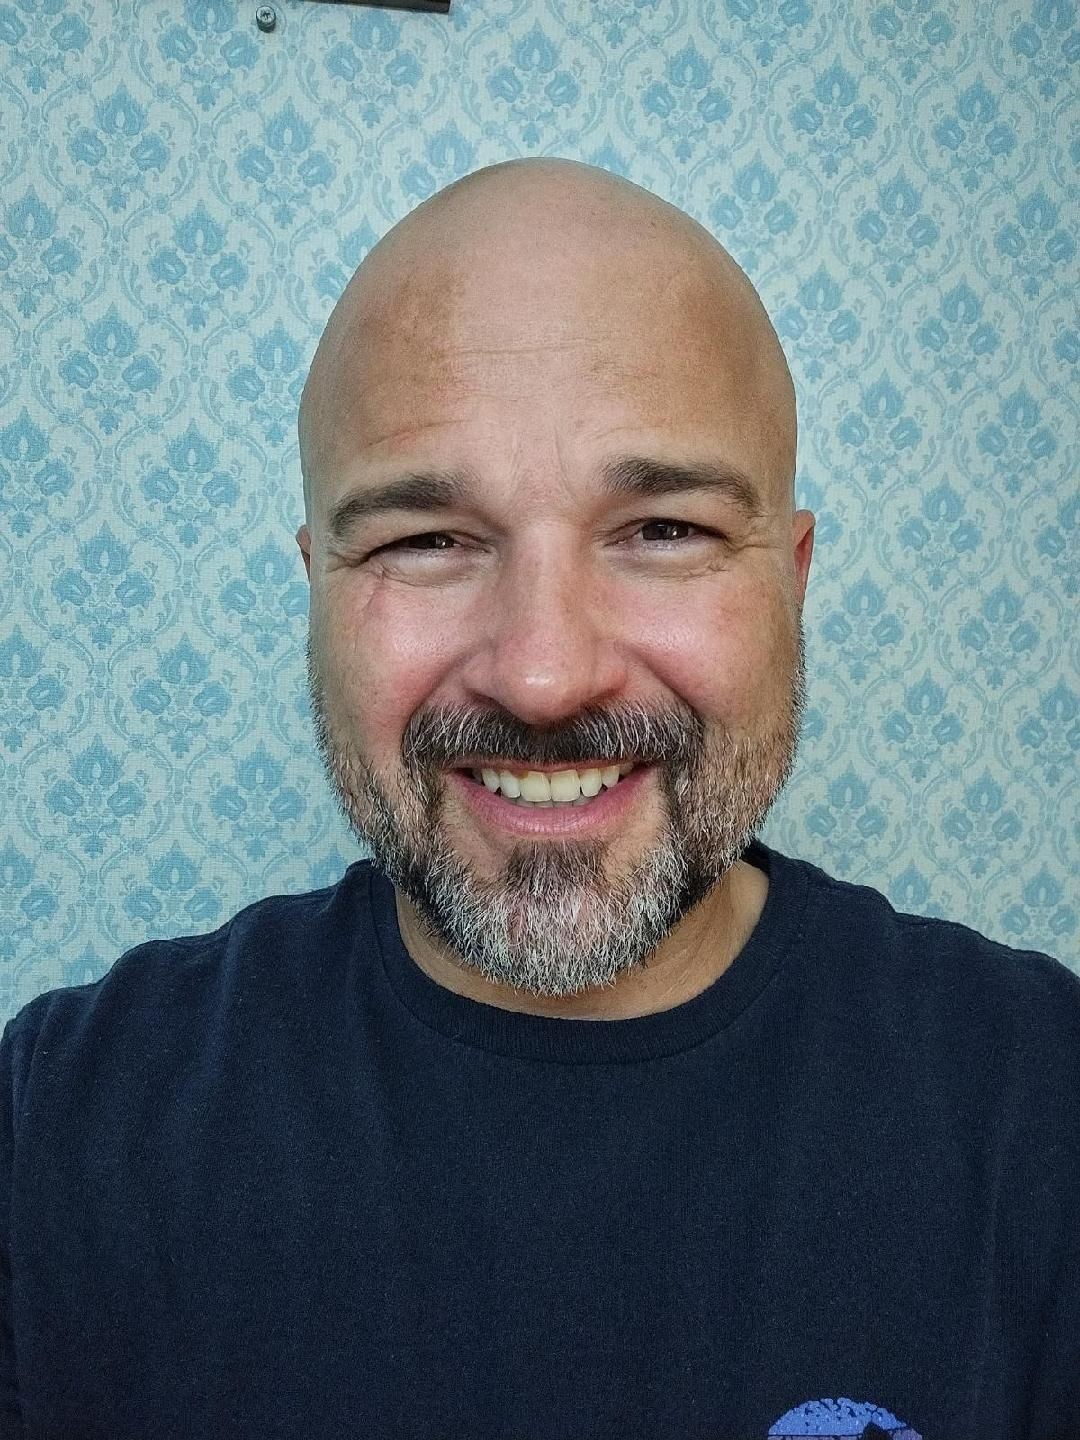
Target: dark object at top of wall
440,7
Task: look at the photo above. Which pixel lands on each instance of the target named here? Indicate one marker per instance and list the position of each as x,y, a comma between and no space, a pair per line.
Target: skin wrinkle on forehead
384,305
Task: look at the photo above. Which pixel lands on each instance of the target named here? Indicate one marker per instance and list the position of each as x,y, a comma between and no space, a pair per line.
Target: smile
558,787
566,817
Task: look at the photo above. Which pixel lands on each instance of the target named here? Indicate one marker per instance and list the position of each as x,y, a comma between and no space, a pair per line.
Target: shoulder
160,994
864,917
944,982
967,1049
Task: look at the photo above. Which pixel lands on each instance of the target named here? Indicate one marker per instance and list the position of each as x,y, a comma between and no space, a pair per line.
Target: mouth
541,784
545,813
488,762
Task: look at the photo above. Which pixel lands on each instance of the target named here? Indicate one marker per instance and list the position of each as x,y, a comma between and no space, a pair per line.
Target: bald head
548,442
528,254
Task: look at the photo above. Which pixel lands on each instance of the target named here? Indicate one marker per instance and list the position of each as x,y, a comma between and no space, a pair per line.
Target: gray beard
555,921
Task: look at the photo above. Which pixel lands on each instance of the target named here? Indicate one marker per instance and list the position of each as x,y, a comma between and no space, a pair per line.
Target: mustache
449,737
441,738
667,733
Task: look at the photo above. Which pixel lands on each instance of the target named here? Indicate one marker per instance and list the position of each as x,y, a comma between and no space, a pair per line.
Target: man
605,1124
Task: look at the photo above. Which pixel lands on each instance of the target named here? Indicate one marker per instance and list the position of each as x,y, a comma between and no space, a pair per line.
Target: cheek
732,659
727,654
379,664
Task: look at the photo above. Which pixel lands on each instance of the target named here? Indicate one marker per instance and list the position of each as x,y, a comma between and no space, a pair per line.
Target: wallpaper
183,196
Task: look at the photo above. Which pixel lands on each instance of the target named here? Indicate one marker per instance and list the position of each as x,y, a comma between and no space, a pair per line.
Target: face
547,620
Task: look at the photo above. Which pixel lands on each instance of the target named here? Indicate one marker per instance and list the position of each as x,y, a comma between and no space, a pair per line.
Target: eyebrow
624,477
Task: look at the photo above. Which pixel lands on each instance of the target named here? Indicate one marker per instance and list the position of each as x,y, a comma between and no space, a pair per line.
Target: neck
700,948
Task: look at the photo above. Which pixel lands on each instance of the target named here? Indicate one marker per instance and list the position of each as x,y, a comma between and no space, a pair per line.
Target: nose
551,628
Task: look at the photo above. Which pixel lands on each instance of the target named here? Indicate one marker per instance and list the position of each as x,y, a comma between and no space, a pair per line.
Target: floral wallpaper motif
183,198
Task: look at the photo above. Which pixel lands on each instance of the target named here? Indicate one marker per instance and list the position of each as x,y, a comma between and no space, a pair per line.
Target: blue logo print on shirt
840,1420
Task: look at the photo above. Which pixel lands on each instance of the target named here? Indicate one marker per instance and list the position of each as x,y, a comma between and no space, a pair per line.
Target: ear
303,539
802,534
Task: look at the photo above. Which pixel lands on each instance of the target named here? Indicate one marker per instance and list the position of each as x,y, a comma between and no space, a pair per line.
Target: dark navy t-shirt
276,1182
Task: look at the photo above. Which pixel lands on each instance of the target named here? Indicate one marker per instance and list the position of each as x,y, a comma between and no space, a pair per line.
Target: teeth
564,786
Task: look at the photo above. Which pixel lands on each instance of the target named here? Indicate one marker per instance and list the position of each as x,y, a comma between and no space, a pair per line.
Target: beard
557,919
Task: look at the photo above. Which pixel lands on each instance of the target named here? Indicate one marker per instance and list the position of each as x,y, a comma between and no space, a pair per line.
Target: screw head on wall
266,17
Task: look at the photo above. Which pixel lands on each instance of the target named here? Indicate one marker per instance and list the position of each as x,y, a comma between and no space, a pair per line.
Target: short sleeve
1054,1142
1055,1407
11,1427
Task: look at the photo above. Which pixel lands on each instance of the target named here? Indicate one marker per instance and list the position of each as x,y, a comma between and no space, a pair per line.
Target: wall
184,197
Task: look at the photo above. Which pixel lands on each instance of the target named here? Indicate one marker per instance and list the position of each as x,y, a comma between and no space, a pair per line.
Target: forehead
577,349
665,367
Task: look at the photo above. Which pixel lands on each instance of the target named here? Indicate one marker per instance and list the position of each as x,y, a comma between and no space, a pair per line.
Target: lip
606,809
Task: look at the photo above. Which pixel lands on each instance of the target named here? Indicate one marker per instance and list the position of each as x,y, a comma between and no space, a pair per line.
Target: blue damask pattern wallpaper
183,197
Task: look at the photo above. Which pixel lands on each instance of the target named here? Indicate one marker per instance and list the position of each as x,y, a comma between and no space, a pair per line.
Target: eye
409,543
409,540
672,525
